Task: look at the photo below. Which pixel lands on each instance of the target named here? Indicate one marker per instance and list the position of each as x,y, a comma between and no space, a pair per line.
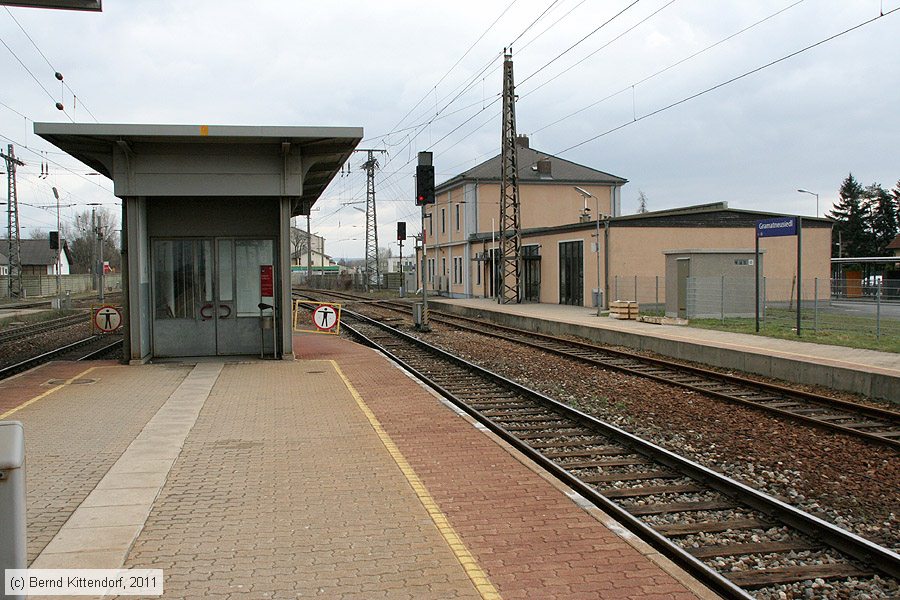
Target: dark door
571,273
532,261
684,271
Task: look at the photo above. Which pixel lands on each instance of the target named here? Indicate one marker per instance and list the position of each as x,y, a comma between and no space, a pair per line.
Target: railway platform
334,475
868,372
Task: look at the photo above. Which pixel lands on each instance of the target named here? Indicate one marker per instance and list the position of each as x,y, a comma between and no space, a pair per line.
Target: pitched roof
561,171
35,252
895,244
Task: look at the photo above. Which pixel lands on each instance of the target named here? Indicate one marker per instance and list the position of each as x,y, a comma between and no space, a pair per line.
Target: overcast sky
389,67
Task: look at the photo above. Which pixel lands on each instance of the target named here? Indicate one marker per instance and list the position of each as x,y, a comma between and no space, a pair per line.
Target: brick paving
532,541
283,490
74,435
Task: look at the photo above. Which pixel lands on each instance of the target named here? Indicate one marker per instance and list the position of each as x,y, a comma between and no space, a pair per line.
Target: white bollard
12,501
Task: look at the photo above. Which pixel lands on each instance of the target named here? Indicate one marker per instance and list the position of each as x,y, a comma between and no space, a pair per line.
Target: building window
443,220
478,267
457,217
431,269
457,270
444,266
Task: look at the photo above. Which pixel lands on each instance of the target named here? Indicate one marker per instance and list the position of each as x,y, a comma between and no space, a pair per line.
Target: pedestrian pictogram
107,318
325,317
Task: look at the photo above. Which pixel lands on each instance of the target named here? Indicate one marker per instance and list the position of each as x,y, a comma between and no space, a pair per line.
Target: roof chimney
522,140
543,167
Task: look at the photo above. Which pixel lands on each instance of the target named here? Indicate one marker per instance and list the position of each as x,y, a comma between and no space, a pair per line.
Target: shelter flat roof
324,148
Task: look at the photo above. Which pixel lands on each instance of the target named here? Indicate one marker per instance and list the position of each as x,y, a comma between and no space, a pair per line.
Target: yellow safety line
45,394
459,549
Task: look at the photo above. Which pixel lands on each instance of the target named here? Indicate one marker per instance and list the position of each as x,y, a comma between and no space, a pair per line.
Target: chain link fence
837,308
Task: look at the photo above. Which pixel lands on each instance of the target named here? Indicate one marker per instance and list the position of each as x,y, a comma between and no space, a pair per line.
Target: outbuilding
206,216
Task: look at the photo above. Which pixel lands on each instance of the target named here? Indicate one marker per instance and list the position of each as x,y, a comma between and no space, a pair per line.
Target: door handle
226,307
204,312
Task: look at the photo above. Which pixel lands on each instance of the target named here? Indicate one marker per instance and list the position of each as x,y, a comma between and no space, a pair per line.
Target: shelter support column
136,279
284,266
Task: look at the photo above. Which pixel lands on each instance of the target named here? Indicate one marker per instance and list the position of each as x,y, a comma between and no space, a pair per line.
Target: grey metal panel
213,217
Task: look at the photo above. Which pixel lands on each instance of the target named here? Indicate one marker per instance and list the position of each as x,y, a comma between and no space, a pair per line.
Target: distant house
894,247
38,258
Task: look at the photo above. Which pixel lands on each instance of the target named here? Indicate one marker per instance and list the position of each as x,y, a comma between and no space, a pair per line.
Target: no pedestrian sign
326,318
107,318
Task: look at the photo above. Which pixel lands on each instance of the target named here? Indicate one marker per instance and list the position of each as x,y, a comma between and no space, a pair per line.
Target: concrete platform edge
873,385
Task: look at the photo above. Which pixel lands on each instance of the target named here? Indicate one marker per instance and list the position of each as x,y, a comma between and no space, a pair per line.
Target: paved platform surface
333,476
833,366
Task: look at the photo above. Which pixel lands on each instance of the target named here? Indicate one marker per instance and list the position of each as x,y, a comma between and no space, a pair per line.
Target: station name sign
776,227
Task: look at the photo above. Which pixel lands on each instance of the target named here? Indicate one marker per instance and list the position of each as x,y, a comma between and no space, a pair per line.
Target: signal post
424,197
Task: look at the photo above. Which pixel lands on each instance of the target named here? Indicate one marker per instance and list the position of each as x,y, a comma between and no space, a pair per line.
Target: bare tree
299,242
83,240
37,233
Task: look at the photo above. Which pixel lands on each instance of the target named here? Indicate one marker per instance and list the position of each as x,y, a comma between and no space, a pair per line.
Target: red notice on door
266,281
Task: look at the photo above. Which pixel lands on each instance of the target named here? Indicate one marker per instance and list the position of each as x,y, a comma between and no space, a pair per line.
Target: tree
850,220
642,202
38,233
299,243
881,208
83,241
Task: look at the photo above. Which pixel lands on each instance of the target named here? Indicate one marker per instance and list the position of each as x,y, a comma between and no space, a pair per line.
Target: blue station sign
776,227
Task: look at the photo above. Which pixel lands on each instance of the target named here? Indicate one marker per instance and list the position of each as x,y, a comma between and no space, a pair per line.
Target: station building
206,211
565,208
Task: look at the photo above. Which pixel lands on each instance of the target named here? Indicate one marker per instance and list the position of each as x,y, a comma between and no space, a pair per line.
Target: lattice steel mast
372,267
510,234
14,253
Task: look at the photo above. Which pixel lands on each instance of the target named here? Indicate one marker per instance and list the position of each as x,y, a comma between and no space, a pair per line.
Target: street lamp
813,194
585,195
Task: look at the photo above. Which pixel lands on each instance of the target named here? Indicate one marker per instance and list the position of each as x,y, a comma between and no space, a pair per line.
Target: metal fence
869,307
45,285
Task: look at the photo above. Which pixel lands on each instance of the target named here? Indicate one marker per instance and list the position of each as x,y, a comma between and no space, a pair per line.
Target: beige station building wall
634,252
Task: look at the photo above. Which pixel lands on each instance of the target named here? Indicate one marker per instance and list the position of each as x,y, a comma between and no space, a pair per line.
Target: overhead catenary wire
49,64
579,42
613,40
33,76
660,71
729,81
447,73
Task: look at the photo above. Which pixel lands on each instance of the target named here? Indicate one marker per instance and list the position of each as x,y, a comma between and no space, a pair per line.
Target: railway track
99,346
873,424
35,328
740,542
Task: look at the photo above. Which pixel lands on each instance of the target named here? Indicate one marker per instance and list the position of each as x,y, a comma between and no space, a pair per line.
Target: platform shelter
206,216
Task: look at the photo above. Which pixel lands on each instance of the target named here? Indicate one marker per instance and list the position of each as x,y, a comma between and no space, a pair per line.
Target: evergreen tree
642,202
882,211
850,220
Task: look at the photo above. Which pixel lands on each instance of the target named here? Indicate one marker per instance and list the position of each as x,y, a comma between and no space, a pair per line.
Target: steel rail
847,543
42,358
34,328
521,336
95,354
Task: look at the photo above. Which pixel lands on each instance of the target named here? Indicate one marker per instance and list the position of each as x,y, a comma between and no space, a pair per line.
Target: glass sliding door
206,295
183,308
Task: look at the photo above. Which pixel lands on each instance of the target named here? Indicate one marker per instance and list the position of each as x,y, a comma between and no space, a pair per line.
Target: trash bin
12,499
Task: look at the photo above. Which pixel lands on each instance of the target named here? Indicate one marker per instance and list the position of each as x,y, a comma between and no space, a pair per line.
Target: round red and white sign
107,318
325,317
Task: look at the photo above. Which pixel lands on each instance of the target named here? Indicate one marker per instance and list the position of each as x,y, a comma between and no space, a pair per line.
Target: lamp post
585,195
812,194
